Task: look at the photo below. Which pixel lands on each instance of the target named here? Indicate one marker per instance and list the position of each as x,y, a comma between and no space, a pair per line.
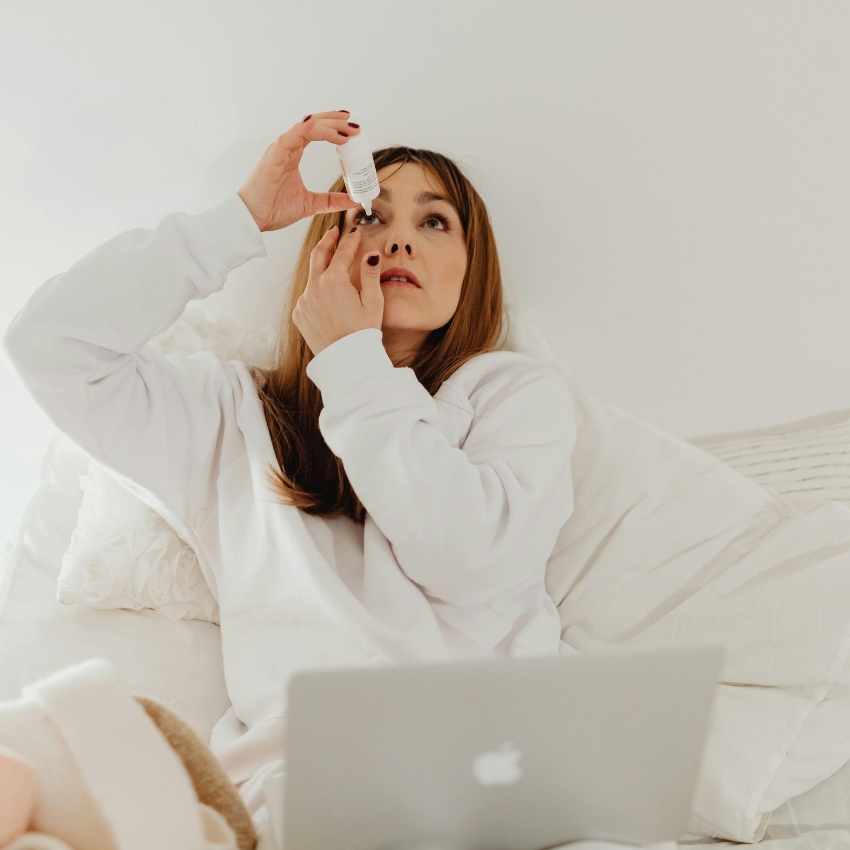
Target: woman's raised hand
274,192
340,297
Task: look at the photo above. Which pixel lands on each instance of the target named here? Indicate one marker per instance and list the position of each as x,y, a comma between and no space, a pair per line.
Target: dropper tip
368,208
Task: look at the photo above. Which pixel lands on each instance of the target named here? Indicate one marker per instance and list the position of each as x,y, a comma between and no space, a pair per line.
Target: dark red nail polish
308,117
344,110
342,134
350,124
373,260
352,230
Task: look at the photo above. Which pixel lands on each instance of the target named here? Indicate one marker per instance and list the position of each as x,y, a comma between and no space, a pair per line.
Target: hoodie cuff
230,237
339,367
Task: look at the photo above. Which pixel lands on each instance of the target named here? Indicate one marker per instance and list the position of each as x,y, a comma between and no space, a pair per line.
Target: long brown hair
311,477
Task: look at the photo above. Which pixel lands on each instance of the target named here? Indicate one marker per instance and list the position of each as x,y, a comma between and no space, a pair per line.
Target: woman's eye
441,219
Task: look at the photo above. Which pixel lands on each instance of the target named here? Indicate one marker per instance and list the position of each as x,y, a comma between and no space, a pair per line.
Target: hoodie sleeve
79,347
471,525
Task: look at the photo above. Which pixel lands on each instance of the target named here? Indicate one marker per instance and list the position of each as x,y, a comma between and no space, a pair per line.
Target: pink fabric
17,796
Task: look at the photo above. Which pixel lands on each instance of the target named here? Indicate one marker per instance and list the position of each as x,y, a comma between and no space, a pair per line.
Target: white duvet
668,546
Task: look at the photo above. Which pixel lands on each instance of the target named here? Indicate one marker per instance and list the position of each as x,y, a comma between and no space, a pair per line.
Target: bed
179,661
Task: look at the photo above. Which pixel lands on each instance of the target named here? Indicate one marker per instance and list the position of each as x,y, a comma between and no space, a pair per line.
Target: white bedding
180,662
807,457
38,634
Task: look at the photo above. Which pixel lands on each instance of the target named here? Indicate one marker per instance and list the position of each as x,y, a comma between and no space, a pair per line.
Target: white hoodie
466,491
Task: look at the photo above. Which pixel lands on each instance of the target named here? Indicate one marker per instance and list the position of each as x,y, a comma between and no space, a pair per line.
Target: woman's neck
402,344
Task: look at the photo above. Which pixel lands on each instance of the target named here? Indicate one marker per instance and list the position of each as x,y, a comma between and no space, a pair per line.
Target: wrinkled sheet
810,839
667,546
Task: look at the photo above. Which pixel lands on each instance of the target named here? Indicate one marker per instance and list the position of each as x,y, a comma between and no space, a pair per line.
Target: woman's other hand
339,300
275,194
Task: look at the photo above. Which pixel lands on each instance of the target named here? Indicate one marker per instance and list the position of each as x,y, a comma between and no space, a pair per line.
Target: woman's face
412,229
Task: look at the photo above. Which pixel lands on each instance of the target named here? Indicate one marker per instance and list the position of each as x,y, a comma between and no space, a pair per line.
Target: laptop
495,755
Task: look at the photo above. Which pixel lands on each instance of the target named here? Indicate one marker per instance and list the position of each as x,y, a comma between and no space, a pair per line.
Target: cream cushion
177,663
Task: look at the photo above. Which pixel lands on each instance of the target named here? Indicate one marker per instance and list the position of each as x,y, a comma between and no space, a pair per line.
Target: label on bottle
362,181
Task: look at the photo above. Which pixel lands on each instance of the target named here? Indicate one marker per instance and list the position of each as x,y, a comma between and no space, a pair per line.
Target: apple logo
498,767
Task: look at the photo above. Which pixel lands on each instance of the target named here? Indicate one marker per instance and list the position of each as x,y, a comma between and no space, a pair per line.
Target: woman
390,492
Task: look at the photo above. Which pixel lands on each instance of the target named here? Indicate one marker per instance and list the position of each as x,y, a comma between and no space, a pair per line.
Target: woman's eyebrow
421,198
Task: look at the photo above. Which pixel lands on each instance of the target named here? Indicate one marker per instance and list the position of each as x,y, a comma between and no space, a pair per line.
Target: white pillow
177,663
825,807
123,554
808,456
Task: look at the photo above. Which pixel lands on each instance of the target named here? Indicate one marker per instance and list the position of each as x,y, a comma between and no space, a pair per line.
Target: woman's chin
400,319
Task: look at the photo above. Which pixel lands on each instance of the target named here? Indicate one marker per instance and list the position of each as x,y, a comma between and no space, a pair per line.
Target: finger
340,124
371,294
346,248
320,256
289,147
325,202
334,113
325,130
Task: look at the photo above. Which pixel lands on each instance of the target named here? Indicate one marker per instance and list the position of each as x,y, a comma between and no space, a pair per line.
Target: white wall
669,182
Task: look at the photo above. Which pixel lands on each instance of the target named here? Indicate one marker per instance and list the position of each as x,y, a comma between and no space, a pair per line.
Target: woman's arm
78,346
469,525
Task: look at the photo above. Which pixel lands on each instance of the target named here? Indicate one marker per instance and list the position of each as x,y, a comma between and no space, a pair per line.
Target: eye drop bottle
358,170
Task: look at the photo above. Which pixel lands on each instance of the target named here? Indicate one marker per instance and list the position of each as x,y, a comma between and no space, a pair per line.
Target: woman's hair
312,478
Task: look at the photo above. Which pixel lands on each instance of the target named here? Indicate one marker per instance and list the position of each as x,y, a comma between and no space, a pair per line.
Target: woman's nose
395,247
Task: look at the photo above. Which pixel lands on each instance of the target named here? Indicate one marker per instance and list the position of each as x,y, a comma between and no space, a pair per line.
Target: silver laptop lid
497,755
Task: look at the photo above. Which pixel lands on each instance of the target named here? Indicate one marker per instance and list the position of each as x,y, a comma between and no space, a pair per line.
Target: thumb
328,202
371,295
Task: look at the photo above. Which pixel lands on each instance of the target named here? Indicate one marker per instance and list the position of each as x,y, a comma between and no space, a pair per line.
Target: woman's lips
400,271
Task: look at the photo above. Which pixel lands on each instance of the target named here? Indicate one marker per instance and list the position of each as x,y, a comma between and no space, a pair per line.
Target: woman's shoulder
511,398
504,365
495,375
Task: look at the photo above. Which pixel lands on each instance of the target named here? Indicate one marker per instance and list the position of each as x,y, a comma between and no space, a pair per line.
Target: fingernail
308,117
351,124
352,230
374,259
342,134
344,110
